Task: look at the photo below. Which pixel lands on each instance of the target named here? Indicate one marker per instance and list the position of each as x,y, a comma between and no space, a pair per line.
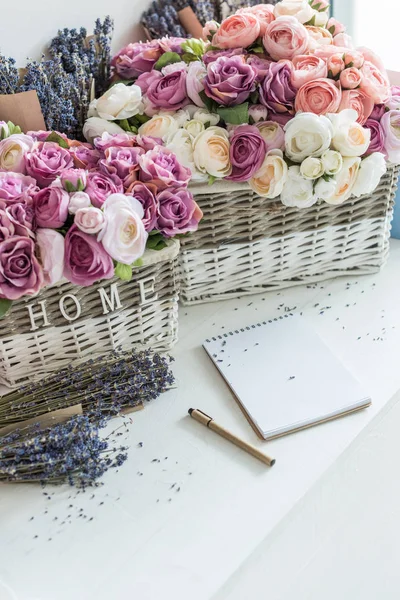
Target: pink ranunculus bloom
390,124
16,187
178,213
307,67
335,27
372,57
353,58
317,37
161,167
210,29
350,78
230,81
123,162
358,101
85,157
260,65
343,40
335,65
20,271
375,83
12,152
51,207
320,97
263,12
124,140
247,152
136,58
50,247
168,91
194,82
377,143
46,160
285,38
86,260
23,219
146,194
101,185
73,178
7,227
237,30
90,220
212,55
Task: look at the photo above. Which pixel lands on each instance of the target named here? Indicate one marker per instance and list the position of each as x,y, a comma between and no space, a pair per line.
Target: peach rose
320,96
307,67
343,40
318,36
263,12
353,58
237,31
345,180
335,65
358,101
285,38
374,83
350,78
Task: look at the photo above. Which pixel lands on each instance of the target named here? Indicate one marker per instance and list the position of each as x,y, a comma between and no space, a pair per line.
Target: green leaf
311,22
188,58
141,118
137,263
211,105
5,306
54,137
350,64
211,179
13,128
124,81
316,6
235,115
69,187
331,29
124,123
207,124
168,58
122,271
194,47
254,97
258,50
156,241
3,134
80,187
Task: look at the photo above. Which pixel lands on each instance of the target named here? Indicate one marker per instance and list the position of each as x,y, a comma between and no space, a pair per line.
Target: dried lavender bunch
9,76
162,19
103,385
70,452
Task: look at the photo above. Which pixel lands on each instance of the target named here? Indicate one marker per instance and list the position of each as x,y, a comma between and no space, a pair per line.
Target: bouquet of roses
84,212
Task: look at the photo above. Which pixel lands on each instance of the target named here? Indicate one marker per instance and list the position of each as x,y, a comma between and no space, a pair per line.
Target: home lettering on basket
71,309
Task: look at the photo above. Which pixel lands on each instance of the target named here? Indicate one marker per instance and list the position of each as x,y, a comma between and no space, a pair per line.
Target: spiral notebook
284,376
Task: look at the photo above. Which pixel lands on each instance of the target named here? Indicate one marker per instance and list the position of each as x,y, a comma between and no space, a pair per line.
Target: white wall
27,26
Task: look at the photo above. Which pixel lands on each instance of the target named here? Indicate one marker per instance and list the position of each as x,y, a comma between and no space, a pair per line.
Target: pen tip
190,411
273,461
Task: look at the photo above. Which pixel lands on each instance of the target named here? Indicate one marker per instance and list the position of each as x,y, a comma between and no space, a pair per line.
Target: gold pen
209,422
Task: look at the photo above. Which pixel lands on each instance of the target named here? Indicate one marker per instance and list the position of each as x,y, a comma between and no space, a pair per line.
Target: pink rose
350,78
136,58
374,83
101,185
263,12
167,89
285,38
107,140
353,58
51,207
212,55
161,167
7,228
307,67
335,65
146,194
320,96
73,180
123,162
50,252
86,260
148,142
343,40
89,220
15,187
237,30
259,64
85,157
358,101
335,27
23,219
20,271
209,29
45,162
178,212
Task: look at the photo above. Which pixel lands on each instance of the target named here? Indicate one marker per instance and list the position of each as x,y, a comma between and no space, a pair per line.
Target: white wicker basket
67,322
247,244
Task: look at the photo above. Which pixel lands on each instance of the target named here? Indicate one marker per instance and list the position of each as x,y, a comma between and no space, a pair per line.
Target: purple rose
260,65
123,162
146,196
229,80
73,180
101,185
23,219
177,212
172,44
247,152
86,260
378,112
85,157
41,136
162,168
167,89
276,92
16,188
377,143
137,58
212,55
20,271
147,142
7,228
51,207
46,161
108,140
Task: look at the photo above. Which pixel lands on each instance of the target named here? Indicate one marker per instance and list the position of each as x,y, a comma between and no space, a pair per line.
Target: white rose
194,127
120,102
78,200
123,236
320,18
13,150
325,188
160,126
369,175
203,115
294,8
269,180
179,66
50,248
92,110
332,162
297,191
95,127
211,152
312,168
345,181
181,144
349,137
307,135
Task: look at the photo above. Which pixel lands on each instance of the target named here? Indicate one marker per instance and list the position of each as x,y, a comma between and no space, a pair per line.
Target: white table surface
235,525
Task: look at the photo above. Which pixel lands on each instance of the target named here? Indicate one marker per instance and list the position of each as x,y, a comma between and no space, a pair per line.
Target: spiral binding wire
243,329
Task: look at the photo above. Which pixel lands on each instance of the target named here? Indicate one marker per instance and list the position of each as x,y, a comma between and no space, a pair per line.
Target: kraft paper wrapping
22,109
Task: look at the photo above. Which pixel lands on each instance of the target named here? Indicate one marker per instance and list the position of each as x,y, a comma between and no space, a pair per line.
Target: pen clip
203,413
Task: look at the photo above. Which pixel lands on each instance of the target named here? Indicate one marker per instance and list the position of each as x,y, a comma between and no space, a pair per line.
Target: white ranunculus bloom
181,144
120,102
203,115
95,127
269,180
349,137
371,170
345,180
306,135
294,8
325,188
160,126
194,127
332,161
312,168
182,116
297,191
211,152
78,200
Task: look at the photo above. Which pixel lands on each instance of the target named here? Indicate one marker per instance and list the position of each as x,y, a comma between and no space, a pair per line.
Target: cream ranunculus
312,168
306,135
297,191
294,8
211,152
332,161
181,116
345,181
120,102
194,127
369,175
181,144
325,188
160,126
203,115
349,137
95,127
12,152
269,180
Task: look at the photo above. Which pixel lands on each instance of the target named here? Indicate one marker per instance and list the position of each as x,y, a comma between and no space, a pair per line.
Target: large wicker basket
247,244
67,322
